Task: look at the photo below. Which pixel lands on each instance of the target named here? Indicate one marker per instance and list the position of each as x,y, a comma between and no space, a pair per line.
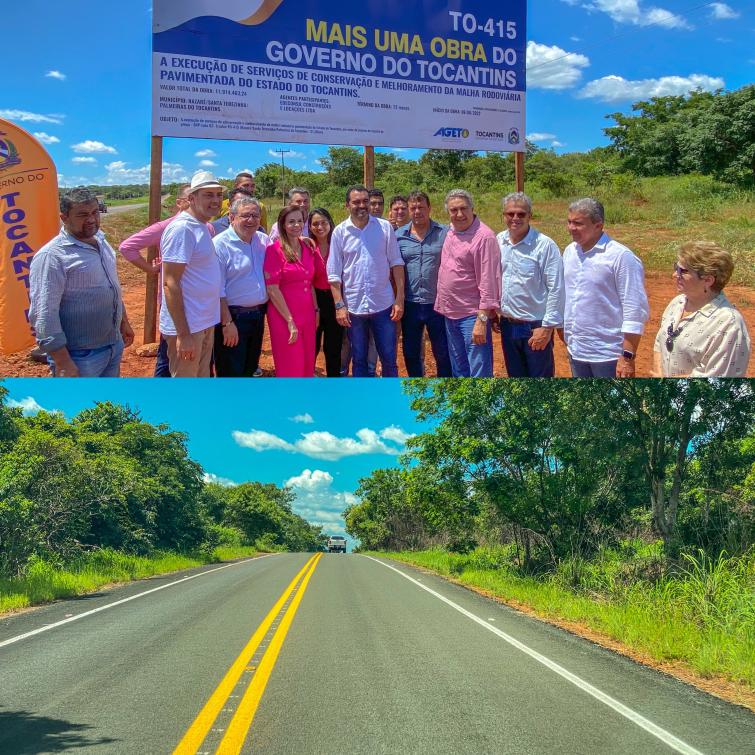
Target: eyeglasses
513,215
249,217
671,334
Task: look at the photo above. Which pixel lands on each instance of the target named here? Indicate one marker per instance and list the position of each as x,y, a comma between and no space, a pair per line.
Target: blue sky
317,436
81,78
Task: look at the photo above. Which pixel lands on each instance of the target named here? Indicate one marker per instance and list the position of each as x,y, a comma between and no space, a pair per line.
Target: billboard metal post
155,204
519,170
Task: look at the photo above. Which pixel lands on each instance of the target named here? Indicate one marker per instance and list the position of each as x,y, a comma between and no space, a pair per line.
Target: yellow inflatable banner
29,218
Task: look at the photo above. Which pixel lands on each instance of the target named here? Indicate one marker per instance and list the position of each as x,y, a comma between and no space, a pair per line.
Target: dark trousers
384,330
244,358
329,333
521,360
416,318
162,366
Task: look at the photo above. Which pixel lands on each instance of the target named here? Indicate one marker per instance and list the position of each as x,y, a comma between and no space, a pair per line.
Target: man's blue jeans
244,358
468,359
384,331
162,364
416,318
102,362
521,360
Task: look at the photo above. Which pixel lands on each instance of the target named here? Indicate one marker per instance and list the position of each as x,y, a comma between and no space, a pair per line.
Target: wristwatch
628,355
340,305
226,324
482,317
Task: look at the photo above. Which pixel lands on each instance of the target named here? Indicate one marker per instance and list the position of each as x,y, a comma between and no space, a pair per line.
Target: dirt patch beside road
660,289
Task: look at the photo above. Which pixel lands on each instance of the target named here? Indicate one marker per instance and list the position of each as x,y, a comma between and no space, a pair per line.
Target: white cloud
55,75
259,440
224,481
304,419
91,147
46,138
630,12
318,502
84,160
553,68
722,12
207,164
538,137
205,153
556,143
119,173
325,445
24,116
28,406
617,89
396,434
310,480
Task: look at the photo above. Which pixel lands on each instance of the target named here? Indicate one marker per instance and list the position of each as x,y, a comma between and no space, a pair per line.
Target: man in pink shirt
469,288
131,249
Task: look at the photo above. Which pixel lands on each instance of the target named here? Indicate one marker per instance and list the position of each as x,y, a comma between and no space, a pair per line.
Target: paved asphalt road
372,662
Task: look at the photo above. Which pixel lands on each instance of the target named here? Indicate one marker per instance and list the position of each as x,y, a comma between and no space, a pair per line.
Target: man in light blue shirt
76,305
243,295
532,298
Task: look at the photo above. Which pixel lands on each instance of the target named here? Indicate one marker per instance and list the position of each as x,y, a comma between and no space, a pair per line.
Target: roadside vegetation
625,506
108,497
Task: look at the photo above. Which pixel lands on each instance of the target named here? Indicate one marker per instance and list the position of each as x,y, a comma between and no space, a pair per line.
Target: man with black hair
77,307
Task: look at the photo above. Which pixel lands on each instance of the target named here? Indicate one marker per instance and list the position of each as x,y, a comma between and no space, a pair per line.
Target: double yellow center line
234,735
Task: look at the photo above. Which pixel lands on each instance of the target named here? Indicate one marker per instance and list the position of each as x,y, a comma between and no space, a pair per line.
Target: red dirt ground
660,289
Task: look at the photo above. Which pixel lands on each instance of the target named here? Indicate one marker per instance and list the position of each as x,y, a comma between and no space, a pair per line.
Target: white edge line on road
665,736
48,627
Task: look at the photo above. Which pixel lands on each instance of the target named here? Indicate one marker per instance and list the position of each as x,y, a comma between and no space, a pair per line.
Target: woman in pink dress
293,269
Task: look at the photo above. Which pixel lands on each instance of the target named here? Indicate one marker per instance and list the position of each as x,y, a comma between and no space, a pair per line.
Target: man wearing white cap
191,281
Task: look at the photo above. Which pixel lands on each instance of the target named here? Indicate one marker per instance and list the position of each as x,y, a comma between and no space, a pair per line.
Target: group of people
353,289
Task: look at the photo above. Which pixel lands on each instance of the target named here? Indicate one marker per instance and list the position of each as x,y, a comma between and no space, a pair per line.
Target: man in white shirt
191,281
532,291
606,304
364,255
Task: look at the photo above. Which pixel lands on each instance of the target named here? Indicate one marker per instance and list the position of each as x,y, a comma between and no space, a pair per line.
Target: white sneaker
257,372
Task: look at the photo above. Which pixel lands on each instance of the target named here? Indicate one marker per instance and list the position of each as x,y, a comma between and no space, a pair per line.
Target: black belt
514,321
241,310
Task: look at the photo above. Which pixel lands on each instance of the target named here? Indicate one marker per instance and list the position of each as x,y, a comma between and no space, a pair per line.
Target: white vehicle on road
336,544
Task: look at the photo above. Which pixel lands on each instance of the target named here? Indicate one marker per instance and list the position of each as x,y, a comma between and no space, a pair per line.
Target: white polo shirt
605,298
187,241
361,259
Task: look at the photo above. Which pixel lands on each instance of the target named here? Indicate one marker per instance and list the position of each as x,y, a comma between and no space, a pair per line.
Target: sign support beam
155,204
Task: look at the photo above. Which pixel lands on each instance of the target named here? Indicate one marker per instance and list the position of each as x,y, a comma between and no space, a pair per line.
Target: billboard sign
430,74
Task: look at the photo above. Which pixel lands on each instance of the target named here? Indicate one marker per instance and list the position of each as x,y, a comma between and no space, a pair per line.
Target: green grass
43,582
123,202
703,617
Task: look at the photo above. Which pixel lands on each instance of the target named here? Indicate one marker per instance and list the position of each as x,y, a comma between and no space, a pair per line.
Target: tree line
109,479
700,133
561,469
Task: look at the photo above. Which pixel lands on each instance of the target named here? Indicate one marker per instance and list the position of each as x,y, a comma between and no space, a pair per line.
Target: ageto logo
514,136
8,153
452,133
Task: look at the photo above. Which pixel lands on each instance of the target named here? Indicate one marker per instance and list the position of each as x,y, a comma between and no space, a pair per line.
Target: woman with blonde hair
702,334
293,268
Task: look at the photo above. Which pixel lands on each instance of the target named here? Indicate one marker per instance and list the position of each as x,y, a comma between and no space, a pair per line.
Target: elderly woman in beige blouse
702,334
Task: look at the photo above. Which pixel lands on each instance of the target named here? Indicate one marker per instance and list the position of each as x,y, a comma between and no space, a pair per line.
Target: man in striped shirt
76,308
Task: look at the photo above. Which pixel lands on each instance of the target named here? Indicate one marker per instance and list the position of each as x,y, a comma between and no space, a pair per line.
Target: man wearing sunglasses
606,304
532,292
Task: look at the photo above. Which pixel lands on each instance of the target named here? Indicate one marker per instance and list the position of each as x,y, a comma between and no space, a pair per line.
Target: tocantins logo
514,136
8,153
